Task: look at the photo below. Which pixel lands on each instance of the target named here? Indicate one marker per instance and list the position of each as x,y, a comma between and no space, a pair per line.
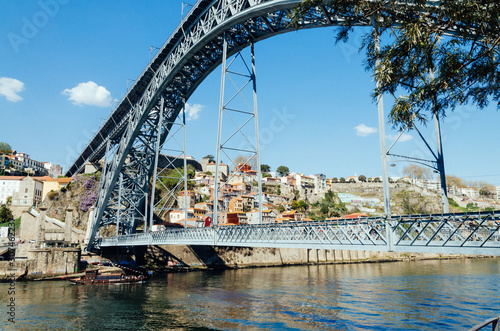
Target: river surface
424,295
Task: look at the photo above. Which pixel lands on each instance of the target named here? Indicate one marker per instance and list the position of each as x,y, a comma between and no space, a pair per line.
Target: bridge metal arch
186,59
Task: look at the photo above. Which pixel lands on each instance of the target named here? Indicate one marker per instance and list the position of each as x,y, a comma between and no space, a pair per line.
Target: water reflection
450,294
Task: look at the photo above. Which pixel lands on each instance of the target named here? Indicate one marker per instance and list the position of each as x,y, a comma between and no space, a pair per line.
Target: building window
26,191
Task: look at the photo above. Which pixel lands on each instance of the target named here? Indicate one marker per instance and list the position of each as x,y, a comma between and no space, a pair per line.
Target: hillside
80,195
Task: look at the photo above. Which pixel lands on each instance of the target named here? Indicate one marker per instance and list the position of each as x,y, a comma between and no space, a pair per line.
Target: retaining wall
235,257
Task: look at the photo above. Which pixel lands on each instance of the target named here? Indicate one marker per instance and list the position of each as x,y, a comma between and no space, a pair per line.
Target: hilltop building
8,186
30,192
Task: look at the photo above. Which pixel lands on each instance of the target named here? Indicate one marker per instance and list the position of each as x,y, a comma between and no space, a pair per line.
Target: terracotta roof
284,219
355,215
11,177
59,180
44,178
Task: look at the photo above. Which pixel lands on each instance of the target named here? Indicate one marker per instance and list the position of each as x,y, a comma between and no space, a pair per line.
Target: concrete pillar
68,226
41,228
89,227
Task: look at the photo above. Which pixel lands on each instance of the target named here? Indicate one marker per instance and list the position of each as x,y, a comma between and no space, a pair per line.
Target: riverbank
184,258
169,258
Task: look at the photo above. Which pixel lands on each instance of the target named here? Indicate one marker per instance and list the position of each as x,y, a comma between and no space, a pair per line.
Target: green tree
265,168
210,157
442,54
362,178
295,205
335,180
324,209
342,180
303,205
283,170
330,196
281,208
5,148
5,214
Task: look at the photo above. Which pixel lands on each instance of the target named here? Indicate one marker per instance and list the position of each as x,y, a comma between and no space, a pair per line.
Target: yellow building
53,184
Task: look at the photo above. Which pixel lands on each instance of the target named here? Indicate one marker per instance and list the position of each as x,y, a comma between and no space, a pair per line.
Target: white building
319,183
30,164
268,216
30,192
53,170
302,180
471,192
223,169
498,192
8,186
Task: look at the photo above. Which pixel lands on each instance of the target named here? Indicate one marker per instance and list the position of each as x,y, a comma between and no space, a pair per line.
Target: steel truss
128,138
241,114
477,233
184,61
169,177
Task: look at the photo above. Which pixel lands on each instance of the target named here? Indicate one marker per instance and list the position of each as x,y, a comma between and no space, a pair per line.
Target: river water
424,295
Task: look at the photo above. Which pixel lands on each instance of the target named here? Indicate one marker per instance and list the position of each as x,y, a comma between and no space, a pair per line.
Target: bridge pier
196,257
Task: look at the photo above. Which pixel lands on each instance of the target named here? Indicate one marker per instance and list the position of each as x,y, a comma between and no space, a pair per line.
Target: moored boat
92,277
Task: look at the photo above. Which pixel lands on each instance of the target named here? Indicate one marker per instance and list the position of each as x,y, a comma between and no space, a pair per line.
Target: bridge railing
451,234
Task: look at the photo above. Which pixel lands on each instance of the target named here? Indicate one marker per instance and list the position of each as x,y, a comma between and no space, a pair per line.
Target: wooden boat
92,277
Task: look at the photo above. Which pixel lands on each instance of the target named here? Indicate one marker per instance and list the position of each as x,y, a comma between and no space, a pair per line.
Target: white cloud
363,130
404,137
10,87
90,94
193,111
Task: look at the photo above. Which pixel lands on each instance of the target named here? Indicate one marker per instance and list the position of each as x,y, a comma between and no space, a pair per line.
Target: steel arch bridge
129,136
143,119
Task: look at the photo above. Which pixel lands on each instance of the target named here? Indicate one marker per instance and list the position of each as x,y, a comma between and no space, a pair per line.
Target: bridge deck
474,234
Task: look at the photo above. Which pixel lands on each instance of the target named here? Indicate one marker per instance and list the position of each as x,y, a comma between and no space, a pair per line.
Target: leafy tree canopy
210,158
283,170
5,148
265,168
5,214
441,54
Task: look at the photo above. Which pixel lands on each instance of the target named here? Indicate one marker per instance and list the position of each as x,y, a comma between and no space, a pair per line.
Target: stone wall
54,229
17,211
42,263
20,269
233,257
54,261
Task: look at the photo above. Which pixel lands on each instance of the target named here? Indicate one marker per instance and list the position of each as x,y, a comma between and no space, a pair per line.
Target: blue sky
64,63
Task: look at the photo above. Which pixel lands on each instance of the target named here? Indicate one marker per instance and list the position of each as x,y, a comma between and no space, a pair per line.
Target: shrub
51,195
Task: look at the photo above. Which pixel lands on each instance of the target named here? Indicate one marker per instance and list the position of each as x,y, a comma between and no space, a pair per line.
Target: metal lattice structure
240,115
128,138
475,234
128,142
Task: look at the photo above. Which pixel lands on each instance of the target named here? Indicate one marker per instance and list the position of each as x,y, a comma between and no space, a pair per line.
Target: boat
92,277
